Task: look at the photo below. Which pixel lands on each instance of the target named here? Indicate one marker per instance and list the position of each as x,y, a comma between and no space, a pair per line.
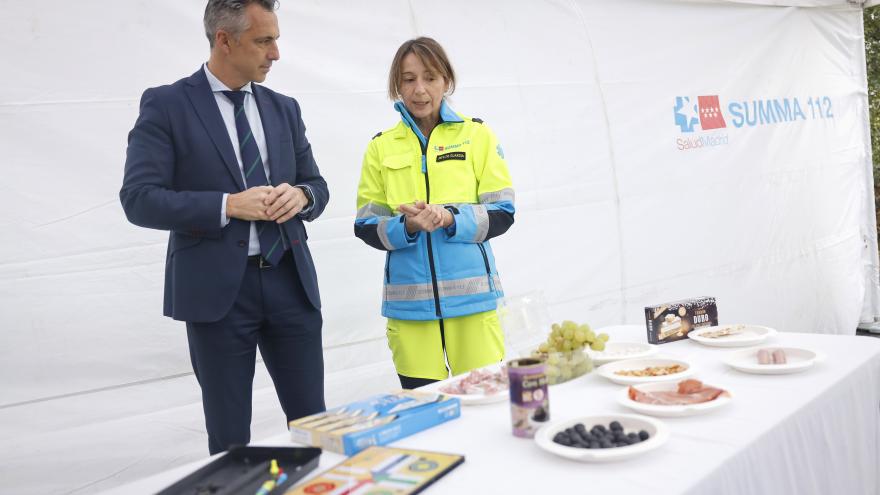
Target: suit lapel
271,126
199,92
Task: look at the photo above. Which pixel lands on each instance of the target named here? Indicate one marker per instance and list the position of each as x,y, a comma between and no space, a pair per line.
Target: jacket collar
447,115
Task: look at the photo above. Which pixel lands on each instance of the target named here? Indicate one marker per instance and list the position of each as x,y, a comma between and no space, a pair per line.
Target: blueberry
615,426
580,429
594,445
618,436
562,439
643,435
605,444
570,432
601,428
632,435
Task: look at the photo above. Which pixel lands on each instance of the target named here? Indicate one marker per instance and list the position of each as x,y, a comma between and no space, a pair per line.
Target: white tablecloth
816,431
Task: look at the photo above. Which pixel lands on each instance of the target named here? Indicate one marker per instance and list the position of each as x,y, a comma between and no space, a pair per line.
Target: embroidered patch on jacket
452,146
455,155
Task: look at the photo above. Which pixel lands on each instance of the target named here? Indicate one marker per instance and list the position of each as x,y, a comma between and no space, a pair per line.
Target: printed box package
378,420
672,321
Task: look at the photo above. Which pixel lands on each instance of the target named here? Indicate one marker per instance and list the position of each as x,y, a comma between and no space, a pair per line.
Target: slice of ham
689,392
478,382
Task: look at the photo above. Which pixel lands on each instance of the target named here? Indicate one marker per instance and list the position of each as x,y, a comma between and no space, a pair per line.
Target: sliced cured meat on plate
481,386
683,398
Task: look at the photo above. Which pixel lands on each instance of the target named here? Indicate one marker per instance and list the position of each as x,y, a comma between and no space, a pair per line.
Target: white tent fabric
625,197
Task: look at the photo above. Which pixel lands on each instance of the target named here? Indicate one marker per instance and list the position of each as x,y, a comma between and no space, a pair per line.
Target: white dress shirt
227,111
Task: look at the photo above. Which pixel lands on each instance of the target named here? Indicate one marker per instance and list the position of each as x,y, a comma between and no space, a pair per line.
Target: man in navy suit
225,166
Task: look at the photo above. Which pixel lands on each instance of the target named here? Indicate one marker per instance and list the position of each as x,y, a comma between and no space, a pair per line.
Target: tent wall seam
611,157
871,256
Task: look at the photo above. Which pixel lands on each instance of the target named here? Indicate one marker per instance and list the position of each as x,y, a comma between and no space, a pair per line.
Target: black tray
245,469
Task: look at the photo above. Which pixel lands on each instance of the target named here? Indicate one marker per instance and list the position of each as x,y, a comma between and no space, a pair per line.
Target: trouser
433,349
272,313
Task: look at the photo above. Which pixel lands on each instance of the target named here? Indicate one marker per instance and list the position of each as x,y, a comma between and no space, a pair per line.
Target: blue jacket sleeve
375,223
307,173
493,215
147,194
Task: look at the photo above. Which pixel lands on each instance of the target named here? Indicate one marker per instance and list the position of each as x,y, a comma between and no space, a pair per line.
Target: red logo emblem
710,112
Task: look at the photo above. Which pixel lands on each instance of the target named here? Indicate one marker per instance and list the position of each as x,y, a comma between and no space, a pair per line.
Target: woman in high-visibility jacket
433,190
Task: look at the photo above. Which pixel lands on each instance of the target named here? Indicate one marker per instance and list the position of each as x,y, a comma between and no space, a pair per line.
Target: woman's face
421,89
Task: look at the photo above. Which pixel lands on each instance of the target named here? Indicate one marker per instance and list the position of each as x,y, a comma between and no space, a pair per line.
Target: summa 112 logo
702,113
705,111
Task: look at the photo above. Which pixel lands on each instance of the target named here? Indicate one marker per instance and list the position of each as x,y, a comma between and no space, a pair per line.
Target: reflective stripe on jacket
449,272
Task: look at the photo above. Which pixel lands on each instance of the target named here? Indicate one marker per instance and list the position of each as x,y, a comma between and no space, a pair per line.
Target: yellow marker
273,468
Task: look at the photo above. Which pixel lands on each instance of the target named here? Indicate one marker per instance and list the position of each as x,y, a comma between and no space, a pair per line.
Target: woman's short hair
430,53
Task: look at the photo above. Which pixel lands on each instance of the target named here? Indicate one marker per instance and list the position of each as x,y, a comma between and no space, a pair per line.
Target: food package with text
378,420
673,321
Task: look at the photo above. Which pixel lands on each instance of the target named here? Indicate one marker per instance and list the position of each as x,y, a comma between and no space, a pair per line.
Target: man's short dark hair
228,15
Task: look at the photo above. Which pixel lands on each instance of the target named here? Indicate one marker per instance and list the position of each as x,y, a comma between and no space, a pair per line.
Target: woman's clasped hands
426,217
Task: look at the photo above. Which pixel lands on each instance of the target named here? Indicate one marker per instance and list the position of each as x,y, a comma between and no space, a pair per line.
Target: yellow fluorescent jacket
449,272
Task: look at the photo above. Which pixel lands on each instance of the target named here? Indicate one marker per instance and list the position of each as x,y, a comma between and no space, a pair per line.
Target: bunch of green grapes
569,336
564,353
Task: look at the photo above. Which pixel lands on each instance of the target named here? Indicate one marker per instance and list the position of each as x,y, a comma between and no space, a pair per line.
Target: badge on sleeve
500,151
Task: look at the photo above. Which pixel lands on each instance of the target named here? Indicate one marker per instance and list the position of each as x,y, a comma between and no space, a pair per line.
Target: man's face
251,56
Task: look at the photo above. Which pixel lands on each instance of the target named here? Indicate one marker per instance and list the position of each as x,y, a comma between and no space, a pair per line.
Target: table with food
721,409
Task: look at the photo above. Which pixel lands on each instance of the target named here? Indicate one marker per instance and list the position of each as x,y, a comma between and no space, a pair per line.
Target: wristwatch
308,192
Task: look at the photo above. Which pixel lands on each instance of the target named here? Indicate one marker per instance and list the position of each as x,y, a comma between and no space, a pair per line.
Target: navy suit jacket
180,161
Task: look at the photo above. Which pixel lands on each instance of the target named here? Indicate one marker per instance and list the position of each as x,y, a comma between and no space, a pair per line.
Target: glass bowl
563,366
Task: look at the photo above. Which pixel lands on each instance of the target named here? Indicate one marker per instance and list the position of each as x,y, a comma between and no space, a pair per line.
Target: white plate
608,370
671,410
470,399
616,351
797,359
748,335
630,422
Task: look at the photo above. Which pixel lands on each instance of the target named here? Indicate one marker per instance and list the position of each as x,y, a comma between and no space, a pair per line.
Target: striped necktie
269,232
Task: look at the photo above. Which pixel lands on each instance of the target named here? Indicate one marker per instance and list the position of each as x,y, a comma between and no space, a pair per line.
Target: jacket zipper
428,234
486,262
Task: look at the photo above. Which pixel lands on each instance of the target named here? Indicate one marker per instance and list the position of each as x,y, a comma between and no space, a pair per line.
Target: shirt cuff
224,220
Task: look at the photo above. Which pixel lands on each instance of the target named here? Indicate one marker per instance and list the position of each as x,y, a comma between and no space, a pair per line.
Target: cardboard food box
672,321
378,420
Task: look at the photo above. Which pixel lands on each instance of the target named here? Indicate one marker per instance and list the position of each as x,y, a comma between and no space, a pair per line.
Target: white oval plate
797,359
470,399
608,370
630,422
616,351
671,410
747,335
